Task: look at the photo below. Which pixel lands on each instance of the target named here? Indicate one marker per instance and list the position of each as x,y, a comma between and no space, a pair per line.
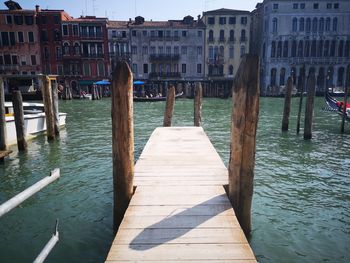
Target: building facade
299,36
20,46
227,40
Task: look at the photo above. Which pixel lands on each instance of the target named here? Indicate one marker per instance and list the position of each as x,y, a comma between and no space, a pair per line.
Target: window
231,51
211,20
340,48
18,19
321,25
75,30
294,49
329,5
153,50
123,34
183,68
230,70
273,49
302,6
33,59
134,50
275,6
274,25
285,49
199,33
183,50
145,68
14,60
294,24
5,39
243,36
7,59
29,20
43,20
160,50
301,24
58,53
328,24
184,33
314,24
222,20
86,67
244,20
101,68
295,6
9,19
20,37
222,35
46,53
65,30
232,20
279,49
335,24
315,5
12,39
308,24
56,19
232,35
114,33
242,51
199,51
133,33
76,49
176,33
199,68
66,48
336,6
43,35
144,50
1,60
168,50
31,37
56,35
160,33
144,33
211,35
91,31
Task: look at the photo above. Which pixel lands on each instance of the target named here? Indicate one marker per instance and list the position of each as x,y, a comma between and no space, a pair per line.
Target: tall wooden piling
287,104
309,108
49,113
245,114
19,120
55,107
2,116
198,95
301,84
122,139
169,107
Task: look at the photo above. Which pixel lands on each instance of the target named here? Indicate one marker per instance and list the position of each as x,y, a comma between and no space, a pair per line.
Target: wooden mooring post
122,139
48,107
301,84
309,108
169,107
2,116
198,95
287,104
245,114
55,108
346,90
19,120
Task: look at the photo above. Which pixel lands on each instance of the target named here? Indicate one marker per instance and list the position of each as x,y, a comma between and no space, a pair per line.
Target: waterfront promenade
180,211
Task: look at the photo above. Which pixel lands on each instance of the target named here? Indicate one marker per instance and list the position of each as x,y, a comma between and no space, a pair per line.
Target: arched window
274,25
86,68
242,50
76,49
330,76
335,24
264,50
285,49
308,24
340,48
273,49
282,76
100,68
300,48
302,24
326,48
314,24
222,35
243,35
273,77
332,49
307,48
313,48
211,35
321,25
347,49
340,79
328,24
222,51
294,24
66,48
279,49
230,70
320,48
232,35
294,48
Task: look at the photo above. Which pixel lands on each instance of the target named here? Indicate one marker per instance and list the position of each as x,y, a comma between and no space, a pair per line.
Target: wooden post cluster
245,114
19,120
198,95
169,107
287,104
309,108
301,84
122,139
2,116
48,106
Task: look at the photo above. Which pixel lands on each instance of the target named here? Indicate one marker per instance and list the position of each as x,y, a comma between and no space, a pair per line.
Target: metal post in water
49,246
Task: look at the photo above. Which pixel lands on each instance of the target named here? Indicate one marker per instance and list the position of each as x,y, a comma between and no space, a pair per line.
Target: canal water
301,205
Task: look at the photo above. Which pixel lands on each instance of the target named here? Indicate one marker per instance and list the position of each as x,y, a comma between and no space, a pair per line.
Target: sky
149,9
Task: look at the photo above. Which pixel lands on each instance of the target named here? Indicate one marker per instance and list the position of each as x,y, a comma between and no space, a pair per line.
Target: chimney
37,8
199,17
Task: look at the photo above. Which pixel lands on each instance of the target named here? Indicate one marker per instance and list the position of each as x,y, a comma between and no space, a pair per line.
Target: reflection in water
301,199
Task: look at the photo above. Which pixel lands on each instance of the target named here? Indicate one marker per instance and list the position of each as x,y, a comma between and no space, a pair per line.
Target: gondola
154,99
337,106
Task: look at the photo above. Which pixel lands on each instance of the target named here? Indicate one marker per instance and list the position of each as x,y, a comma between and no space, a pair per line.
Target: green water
301,206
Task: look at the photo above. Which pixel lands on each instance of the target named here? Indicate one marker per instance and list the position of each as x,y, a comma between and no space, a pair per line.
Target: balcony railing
215,74
222,39
243,39
232,40
164,57
165,75
211,40
215,61
311,60
84,55
9,67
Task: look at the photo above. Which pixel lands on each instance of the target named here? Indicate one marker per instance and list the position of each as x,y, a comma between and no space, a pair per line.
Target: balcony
84,55
243,39
310,60
87,35
211,40
232,40
215,74
165,75
216,61
222,39
9,67
164,57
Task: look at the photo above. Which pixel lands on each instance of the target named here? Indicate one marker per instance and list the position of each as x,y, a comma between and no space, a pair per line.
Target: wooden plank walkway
180,211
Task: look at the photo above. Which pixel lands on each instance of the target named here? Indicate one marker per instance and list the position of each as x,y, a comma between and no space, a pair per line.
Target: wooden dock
180,211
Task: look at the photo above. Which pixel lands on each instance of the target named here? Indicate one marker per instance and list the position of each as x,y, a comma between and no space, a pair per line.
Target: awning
138,82
102,82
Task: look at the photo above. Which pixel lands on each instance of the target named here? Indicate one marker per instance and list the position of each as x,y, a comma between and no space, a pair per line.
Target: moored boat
337,106
34,121
154,99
